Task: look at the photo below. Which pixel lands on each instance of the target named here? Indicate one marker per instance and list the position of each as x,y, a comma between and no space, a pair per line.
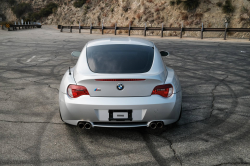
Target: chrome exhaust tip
87,125
160,124
81,125
152,125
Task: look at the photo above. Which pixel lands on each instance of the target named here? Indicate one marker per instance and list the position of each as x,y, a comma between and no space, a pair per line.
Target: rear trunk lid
126,86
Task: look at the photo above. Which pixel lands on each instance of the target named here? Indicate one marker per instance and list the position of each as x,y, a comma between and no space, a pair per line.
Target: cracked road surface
213,130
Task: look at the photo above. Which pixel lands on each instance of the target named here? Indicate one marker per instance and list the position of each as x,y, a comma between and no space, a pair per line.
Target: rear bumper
95,109
119,125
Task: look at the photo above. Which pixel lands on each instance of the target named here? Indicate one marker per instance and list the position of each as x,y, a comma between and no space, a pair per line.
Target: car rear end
120,84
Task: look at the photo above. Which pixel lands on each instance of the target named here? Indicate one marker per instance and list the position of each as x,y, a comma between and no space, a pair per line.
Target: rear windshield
120,58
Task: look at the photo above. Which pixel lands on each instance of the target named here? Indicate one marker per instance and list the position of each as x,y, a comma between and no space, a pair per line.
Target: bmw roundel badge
120,86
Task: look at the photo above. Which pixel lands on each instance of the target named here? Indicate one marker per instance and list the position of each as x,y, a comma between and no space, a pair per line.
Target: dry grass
207,10
184,16
130,22
112,25
139,16
150,1
187,23
162,3
244,10
198,15
142,3
174,33
197,22
157,9
159,21
230,33
242,18
162,8
151,20
106,31
157,17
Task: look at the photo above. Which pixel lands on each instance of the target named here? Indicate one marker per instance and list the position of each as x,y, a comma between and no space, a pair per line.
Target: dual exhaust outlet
154,125
84,125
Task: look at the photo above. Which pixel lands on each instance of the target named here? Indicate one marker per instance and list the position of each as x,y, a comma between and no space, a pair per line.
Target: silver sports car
120,82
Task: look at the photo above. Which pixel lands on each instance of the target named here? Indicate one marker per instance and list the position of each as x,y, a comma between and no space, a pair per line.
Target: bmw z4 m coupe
120,82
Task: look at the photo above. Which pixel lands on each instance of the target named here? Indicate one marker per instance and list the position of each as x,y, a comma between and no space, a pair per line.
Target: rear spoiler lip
130,79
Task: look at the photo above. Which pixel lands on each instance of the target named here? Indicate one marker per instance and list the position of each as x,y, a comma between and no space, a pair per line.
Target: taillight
75,91
163,90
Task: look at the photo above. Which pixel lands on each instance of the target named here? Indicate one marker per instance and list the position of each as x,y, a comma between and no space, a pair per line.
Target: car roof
120,40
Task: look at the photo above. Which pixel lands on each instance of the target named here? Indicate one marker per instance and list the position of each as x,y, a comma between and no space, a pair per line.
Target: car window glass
120,58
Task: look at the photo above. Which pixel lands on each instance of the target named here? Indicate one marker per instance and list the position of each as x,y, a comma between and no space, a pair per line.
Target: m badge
97,89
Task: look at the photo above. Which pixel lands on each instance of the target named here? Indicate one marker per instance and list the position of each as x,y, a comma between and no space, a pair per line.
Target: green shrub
172,3
178,2
244,9
6,22
219,4
48,9
21,8
79,3
125,8
191,4
10,2
34,16
3,17
228,7
44,12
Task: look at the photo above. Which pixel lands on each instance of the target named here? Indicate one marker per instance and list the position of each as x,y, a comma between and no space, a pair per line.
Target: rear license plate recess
120,115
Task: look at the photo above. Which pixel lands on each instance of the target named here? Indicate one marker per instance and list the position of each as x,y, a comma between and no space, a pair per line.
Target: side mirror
76,54
164,53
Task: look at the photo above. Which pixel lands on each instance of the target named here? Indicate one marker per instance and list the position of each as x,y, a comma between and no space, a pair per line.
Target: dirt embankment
172,13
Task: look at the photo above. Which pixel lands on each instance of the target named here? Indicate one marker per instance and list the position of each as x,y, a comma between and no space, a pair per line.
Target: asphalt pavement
214,128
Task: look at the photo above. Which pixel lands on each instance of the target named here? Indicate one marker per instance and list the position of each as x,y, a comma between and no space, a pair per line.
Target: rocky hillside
172,13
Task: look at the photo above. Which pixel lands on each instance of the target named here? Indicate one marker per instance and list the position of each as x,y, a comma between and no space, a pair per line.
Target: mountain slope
153,12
